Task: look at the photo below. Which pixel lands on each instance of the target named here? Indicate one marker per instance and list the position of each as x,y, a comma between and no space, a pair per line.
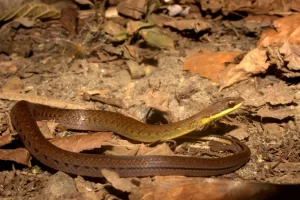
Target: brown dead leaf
32,10
286,28
121,147
157,99
286,36
123,184
6,138
292,53
280,114
134,26
275,94
68,20
115,30
178,187
77,143
189,24
254,62
136,71
254,7
47,128
278,94
25,21
85,2
162,149
157,38
209,65
132,8
19,155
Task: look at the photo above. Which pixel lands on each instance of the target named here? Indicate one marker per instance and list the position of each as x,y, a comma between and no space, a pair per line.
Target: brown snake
24,116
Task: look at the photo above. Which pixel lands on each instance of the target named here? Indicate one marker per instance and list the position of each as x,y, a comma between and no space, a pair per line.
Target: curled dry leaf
286,36
286,28
32,10
254,62
123,184
209,65
189,24
20,155
77,143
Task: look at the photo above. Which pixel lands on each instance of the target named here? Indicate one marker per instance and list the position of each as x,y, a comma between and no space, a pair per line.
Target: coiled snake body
24,116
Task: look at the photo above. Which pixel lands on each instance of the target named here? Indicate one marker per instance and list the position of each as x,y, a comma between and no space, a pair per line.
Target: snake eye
231,104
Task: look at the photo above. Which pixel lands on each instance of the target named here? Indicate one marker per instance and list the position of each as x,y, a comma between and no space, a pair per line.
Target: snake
24,115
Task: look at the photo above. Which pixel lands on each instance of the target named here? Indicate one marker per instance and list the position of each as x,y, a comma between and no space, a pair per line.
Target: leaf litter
270,99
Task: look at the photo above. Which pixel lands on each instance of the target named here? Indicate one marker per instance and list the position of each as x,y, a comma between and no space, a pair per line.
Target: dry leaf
274,94
189,24
47,128
286,28
68,20
134,26
178,187
85,2
136,71
121,148
132,8
32,10
255,7
157,99
122,184
19,155
209,65
155,37
255,62
117,31
291,53
162,149
280,114
77,143
286,36
25,21
111,12
6,138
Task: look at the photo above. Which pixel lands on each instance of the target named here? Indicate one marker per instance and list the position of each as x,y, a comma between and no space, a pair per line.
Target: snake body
25,114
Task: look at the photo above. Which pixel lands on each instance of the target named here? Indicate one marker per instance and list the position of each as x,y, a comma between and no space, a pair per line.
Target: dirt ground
42,65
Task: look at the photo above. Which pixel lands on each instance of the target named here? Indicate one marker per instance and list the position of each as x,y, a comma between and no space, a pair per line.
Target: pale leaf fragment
122,184
255,62
19,155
